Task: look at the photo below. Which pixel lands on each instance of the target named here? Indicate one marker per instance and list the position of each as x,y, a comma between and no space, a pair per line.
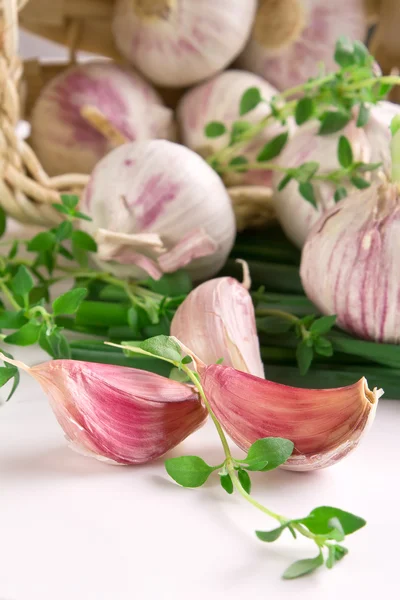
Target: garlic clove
195,244
217,321
118,414
324,425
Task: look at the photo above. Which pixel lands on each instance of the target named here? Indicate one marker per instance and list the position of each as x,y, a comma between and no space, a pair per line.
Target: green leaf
304,356
335,553
226,483
239,160
172,284
359,182
188,471
63,231
306,171
70,201
275,451
12,320
395,124
363,115
61,209
14,386
54,343
271,536
3,221
304,110
340,193
83,240
302,567
283,182
26,336
178,375
323,324
80,215
250,99
238,129
22,282
319,521
273,325
245,480
42,241
365,167
14,250
332,121
361,54
323,347
164,346
186,360
273,147
345,153
307,191
68,303
214,129
65,253
6,373
344,52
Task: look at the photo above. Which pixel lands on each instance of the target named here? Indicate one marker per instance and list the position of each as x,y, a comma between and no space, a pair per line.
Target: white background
72,527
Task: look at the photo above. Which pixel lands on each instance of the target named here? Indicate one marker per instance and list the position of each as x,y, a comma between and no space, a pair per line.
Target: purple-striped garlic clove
217,321
118,414
324,425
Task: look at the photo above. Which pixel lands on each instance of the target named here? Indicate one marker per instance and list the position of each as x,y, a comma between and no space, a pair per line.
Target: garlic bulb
350,264
290,38
324,425
218,100
89,109
157,206
377,130
295,214
178,43
217,321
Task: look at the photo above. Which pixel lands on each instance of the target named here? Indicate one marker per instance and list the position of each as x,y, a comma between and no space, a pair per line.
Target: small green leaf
273,147
164,346
239,161
63,231
307,192
186,360
12,320
304,356
226,483
178,375
42,241
345,153
214,129
245,480
250,99
273,325
6,373
81,239
304,110
359,182
365,167
363,115
395,125
361,54
323,347
306,171
275,451
61,209
302,567
340,193
70,201
54,343
332,121
14,250
323,324
238,129
172,284
344,52
22,282
68,303
80,215
188,471
3,221
274,534
283,182
336,553
65,253
26,336
319,521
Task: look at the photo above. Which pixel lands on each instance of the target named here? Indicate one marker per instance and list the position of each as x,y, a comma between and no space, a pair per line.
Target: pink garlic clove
118,414
324,425
217,321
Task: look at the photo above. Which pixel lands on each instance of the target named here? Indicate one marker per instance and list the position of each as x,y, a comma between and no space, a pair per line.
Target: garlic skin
349,264
118,414
179,43
156,207
65,141
291,37
218,100
324,425
217,321
295,214
377,130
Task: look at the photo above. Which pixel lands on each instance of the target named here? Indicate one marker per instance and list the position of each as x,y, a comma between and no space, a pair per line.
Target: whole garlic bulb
295,214
178,43
218,100
130,109
291,37
350,263
156,207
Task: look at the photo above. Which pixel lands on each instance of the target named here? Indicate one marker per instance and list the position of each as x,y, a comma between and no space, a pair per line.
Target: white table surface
73,527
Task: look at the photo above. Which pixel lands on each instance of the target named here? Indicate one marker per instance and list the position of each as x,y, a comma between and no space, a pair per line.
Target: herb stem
274,312
4,288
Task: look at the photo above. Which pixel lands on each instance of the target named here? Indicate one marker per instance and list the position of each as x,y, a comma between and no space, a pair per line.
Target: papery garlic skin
119,414
66,142
349,264
217,321
290,38
179,43
157,206
378,133
218,100
324,425
295,214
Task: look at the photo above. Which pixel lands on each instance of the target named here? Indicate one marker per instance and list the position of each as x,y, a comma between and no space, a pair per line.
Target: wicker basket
26,191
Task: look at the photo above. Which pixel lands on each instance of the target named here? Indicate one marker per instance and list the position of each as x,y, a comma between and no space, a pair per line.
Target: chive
93,345
274,277
102,313
122,332
275,253
112,293
71,325
112,358
385,354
